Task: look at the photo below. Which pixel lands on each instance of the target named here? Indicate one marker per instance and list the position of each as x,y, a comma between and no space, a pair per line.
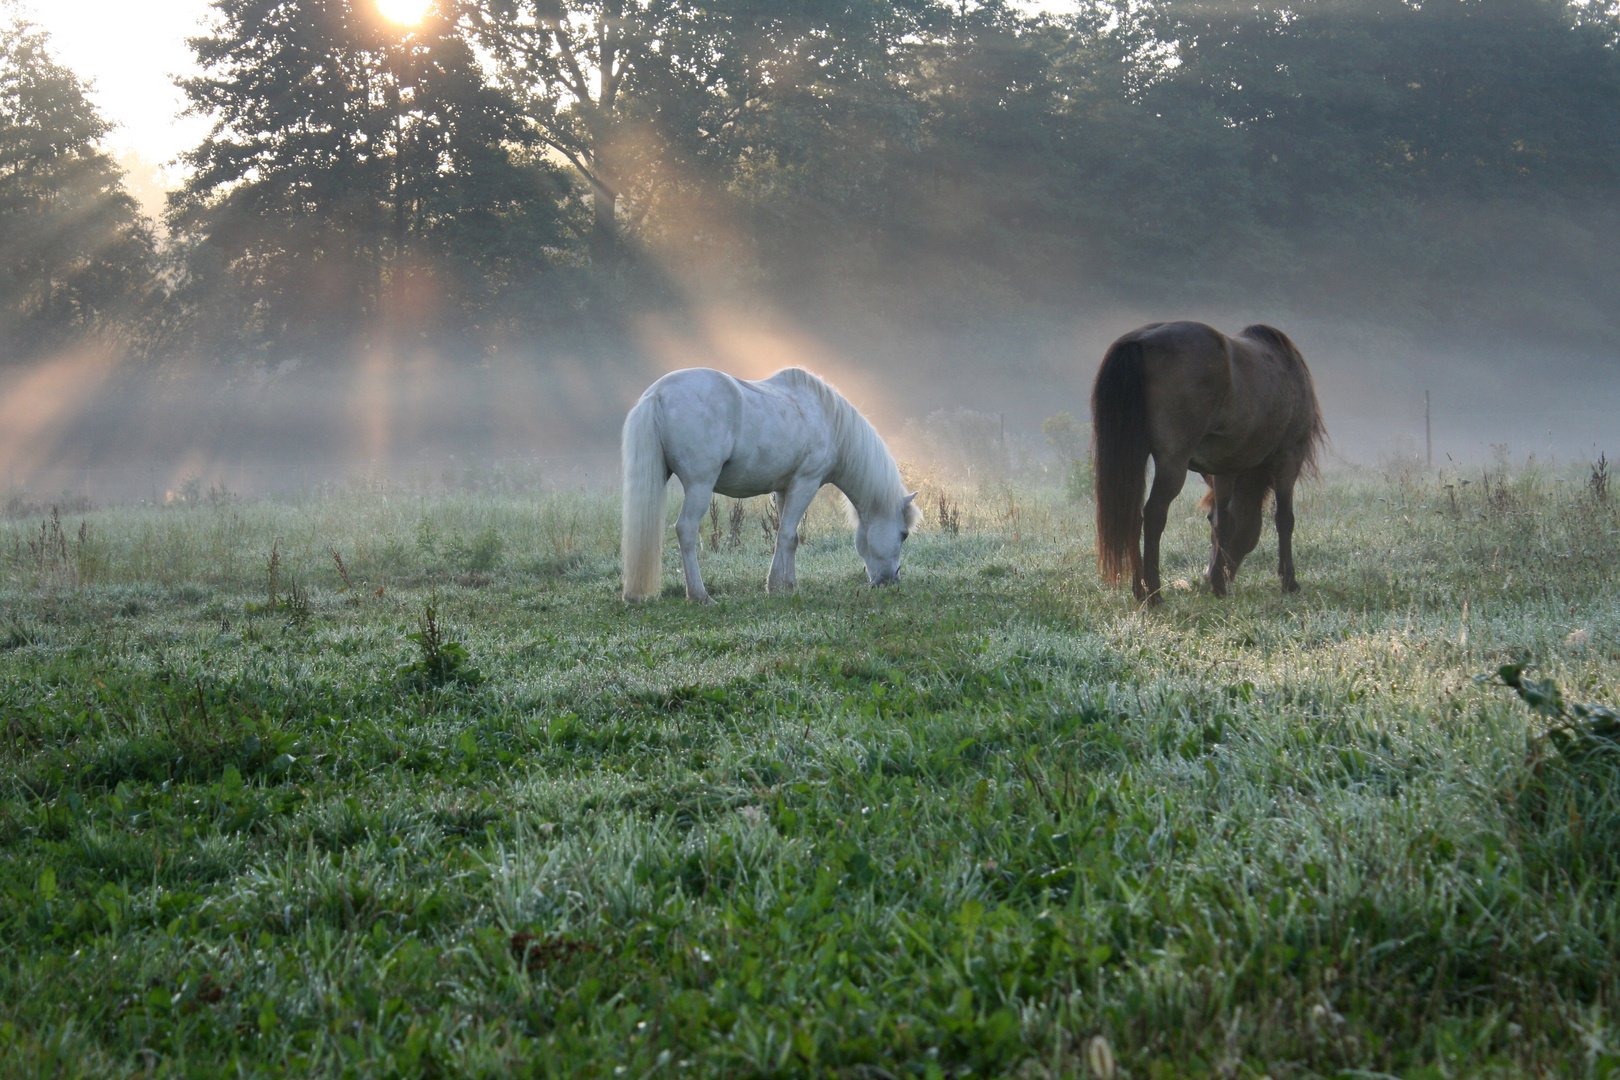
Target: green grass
964,826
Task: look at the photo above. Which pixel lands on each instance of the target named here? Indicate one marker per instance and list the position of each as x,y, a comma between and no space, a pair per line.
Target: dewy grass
996,821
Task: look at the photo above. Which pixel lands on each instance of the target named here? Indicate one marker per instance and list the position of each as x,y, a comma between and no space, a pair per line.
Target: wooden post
1428,433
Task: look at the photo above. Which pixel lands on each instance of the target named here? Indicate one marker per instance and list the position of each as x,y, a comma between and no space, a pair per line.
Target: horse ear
911,512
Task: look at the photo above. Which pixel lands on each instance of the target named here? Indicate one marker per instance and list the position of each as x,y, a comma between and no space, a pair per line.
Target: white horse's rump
786,435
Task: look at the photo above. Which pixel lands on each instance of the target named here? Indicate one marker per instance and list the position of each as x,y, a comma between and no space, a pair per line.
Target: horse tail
1120,448
645,480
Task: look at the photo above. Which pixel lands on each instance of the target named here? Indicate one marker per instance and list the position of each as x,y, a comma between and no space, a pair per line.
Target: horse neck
863,471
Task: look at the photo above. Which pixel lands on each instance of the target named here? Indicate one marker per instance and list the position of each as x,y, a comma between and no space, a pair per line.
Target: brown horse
1240,410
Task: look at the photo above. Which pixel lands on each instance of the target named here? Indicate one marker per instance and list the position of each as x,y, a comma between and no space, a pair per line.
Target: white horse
786,435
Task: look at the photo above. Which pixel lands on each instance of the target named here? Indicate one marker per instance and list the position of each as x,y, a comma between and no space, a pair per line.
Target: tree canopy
77,258
490,173
357,177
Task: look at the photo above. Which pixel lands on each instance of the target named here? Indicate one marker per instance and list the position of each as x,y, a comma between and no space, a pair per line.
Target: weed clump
282,593
1070,439
440,661
1570,797
479,556
1578,731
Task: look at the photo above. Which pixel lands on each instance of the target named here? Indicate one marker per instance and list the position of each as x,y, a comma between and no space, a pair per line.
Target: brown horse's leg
1284,488
1220,528
1168,477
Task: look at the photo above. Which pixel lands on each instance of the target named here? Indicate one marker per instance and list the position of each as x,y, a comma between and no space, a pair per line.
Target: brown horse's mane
1281,342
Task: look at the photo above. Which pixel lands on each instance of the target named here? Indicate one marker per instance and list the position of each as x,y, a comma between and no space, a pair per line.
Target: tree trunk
604,230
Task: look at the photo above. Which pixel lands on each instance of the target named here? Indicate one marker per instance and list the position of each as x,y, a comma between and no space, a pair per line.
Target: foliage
1578,730
441,661
358,180
373,190
659,99
78,257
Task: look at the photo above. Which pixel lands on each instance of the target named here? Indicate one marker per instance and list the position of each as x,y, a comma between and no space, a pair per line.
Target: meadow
384,780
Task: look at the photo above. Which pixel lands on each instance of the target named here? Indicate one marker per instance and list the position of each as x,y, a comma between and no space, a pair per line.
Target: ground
386,781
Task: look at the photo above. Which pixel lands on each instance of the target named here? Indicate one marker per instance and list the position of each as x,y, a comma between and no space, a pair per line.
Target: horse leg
1220,528
1283,487
1168,478
687,529
791,504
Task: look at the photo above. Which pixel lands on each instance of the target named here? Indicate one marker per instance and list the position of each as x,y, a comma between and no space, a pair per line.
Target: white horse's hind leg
792,504
687,529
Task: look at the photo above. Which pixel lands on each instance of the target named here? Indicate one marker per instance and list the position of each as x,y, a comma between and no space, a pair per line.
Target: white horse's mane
867,472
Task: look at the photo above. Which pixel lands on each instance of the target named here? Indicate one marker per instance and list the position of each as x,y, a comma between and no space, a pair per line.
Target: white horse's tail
645,479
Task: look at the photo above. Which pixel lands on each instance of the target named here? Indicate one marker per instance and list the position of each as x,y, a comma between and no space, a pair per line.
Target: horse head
878,537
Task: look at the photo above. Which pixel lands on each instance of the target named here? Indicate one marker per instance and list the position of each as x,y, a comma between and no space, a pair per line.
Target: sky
130,52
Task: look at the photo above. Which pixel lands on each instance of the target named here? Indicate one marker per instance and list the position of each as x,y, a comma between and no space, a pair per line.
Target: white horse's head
878,537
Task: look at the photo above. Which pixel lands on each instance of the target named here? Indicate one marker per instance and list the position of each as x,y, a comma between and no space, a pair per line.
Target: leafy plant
440,661
1578,731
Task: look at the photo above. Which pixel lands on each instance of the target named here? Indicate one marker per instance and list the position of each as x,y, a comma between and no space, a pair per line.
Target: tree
644,96
77,254
360,176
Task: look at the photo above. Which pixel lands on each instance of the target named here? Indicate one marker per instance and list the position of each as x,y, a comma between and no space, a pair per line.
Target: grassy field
993,822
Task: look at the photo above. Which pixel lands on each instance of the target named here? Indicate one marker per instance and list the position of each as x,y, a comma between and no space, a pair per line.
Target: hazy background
458,238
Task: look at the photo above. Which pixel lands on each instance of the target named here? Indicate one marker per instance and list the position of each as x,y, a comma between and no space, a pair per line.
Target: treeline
512,169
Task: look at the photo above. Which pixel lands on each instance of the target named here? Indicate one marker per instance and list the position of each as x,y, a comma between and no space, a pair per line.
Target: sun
405,12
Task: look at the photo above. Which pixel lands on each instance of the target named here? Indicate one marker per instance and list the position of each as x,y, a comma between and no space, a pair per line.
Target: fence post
1428,434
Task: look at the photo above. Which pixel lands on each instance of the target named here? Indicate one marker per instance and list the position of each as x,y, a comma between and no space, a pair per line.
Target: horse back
1227,401
1186,378
1268,369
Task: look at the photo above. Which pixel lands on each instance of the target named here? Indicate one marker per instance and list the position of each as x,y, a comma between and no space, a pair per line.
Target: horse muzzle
886,579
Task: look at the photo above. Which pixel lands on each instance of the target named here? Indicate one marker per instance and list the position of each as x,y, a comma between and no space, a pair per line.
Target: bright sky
129,51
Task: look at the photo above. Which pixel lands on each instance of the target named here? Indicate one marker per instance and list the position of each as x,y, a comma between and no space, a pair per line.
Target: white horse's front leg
687,527
794,502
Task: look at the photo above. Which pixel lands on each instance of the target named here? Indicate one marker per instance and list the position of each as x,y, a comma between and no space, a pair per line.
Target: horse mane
1283,344
867,473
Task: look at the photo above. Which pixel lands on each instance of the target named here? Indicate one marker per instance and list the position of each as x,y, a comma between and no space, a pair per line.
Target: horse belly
1220,455
757,472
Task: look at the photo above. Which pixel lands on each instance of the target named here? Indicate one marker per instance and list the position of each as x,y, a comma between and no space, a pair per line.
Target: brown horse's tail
1120,447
